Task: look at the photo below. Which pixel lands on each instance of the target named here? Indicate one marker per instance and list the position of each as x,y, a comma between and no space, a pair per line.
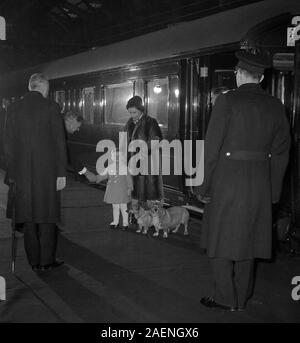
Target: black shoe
210,303
113,227
55,264
124,228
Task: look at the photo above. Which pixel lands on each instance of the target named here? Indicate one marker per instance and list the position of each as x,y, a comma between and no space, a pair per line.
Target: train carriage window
5,104
87,104
158,100
60,98
116,97
224,78
69,99
139,88
74,100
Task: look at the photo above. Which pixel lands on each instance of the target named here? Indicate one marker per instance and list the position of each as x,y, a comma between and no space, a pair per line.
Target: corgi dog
169,220
144,219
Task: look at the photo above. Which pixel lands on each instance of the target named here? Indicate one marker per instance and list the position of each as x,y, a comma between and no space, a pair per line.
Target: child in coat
118,189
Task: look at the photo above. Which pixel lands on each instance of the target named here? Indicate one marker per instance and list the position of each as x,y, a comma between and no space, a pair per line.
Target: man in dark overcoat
146,128
246,154
36,157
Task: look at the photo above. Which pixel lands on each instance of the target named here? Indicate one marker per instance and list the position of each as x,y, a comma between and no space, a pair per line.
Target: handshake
91,176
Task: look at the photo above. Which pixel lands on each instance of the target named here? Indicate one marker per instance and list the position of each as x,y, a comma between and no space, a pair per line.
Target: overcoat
35,148
246,154
117,185
145,187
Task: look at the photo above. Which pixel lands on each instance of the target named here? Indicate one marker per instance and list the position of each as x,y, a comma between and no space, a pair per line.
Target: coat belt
248,155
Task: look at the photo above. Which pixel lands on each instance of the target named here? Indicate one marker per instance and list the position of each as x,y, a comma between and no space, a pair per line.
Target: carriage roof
214,30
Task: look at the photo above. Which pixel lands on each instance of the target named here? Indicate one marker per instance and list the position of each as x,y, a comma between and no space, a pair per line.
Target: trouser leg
243,278
48,241
124,214
32,243
223,278
116,214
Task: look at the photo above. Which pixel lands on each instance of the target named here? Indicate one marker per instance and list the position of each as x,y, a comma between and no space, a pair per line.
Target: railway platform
114,276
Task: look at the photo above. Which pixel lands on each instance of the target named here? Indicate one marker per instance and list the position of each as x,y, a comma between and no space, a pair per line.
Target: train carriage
174,71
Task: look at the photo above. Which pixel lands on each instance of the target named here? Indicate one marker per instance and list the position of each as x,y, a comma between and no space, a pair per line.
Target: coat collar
250,87
34,94
140,120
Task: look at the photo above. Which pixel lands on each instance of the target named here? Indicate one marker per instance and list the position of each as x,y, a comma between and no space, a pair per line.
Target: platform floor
122,277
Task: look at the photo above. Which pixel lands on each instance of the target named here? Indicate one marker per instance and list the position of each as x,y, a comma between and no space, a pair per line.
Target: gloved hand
61,183
204,199
90,176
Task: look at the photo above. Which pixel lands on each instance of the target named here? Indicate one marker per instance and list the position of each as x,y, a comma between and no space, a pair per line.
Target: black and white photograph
149,165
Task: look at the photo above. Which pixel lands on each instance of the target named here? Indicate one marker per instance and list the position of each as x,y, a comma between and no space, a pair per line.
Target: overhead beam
43,44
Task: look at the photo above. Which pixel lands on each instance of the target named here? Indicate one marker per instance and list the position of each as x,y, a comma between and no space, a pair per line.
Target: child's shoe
113,226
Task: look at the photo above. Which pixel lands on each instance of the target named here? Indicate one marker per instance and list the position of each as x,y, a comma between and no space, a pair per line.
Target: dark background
44,30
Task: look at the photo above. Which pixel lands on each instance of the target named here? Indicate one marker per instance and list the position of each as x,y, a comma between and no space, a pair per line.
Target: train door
162,102
296,141
279,82
195,90
205,76
222,76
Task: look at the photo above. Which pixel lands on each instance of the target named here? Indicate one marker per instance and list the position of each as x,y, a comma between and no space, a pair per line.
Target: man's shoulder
51,105
270,101
258,93
36,97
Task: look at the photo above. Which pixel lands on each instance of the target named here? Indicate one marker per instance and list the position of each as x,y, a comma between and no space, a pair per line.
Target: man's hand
90,176
61,183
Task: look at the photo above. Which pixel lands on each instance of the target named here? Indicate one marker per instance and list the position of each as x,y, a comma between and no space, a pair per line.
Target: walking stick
13,227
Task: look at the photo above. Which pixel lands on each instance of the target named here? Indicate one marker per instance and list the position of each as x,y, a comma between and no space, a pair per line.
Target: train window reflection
224,78
87,104
60,98
158,100
5,104
116,98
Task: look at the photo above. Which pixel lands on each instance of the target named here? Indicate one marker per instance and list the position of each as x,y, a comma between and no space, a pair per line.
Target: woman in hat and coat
143,127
